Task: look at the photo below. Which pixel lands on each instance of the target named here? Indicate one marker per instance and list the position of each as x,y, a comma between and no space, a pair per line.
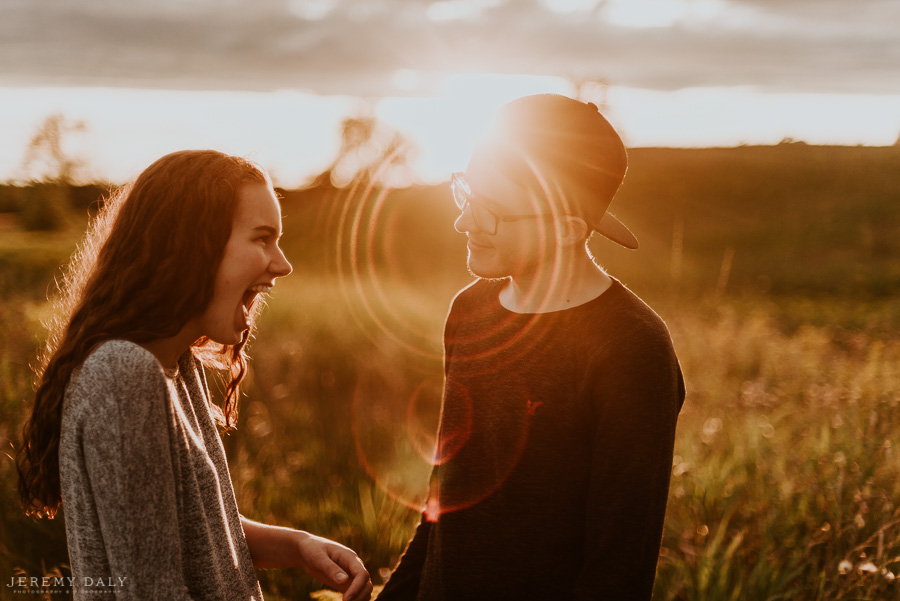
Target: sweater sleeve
403,585
636,400
131,472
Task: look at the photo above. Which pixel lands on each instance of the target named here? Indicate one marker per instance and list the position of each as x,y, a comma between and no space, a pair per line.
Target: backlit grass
786,477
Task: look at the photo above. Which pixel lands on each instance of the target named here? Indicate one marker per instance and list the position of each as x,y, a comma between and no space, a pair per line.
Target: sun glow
296,135
446,126
696,117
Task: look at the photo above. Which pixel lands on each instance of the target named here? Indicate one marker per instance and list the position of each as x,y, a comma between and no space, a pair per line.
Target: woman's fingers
358,586
338,567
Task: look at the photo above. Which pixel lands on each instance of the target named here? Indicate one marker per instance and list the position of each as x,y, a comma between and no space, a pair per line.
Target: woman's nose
280,265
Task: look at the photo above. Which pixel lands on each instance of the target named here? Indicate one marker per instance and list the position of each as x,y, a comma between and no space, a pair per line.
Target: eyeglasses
485,219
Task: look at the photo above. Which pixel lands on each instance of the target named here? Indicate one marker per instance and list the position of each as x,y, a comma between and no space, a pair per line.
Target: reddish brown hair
146,267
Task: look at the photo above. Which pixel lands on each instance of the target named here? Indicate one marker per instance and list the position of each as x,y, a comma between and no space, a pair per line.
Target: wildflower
681,469
711,428
867,568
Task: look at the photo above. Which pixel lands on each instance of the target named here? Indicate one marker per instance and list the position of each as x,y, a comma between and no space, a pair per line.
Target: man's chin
481,271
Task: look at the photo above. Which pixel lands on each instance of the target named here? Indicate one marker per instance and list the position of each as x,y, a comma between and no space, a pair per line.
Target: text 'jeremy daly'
67,582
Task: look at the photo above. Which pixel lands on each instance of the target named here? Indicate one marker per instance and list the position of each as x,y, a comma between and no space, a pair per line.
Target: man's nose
464,223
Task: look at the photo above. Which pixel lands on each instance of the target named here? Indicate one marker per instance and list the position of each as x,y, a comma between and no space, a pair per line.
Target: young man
561,389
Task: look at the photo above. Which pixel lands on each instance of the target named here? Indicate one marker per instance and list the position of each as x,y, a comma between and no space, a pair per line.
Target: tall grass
786,456
786,479
786,475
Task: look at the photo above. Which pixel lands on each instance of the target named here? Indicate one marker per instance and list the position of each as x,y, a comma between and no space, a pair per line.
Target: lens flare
374,272
474,462
394,432
395,414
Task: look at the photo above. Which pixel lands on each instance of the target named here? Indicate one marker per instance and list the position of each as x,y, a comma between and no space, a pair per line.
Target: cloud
357,46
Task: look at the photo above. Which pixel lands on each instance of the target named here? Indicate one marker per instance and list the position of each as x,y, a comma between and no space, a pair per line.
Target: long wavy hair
145,268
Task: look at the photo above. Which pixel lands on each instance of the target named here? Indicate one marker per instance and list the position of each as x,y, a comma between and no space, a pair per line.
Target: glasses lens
462,194
461,191
483,218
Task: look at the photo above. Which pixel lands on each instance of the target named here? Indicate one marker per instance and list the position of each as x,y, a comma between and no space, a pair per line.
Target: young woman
123,432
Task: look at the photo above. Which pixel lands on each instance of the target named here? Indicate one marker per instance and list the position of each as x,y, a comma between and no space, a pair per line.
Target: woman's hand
334,564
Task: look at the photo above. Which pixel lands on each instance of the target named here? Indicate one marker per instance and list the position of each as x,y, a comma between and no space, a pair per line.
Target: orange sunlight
445,126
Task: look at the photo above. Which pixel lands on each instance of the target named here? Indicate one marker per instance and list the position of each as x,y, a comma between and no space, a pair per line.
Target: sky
272,79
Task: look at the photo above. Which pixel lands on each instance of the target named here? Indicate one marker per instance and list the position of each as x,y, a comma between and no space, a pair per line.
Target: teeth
261,288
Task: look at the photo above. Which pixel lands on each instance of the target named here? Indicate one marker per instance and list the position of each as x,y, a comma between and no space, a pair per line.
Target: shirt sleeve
403,585
132,476
636,400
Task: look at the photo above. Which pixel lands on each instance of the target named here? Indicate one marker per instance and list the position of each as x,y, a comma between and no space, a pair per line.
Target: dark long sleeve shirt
554,454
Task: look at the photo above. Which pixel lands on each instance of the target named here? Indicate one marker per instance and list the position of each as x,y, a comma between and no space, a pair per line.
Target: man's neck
566,285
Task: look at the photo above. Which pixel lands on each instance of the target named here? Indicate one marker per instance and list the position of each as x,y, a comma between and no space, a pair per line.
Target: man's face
519,247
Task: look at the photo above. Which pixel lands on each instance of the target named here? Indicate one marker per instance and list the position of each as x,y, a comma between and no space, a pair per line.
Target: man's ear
573,230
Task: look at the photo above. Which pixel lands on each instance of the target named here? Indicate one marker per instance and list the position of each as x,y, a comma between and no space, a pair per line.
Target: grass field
786,480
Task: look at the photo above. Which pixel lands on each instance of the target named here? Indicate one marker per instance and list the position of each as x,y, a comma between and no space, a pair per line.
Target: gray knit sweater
149,506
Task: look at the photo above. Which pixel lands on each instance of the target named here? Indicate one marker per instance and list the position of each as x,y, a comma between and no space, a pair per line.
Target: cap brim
615,230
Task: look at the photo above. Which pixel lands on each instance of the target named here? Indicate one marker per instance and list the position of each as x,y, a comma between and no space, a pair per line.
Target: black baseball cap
559,143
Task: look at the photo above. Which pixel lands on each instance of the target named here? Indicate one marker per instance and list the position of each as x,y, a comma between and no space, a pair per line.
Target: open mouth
250,296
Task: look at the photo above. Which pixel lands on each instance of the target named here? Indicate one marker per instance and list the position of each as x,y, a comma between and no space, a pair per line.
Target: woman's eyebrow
270,230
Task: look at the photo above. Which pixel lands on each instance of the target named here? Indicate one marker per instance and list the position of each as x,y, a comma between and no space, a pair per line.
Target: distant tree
52,172
46,158
370,151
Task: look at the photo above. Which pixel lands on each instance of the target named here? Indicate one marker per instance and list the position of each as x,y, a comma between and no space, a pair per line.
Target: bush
10,199
44,206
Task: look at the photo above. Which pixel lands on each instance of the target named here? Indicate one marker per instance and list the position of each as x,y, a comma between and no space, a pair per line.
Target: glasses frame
463,195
